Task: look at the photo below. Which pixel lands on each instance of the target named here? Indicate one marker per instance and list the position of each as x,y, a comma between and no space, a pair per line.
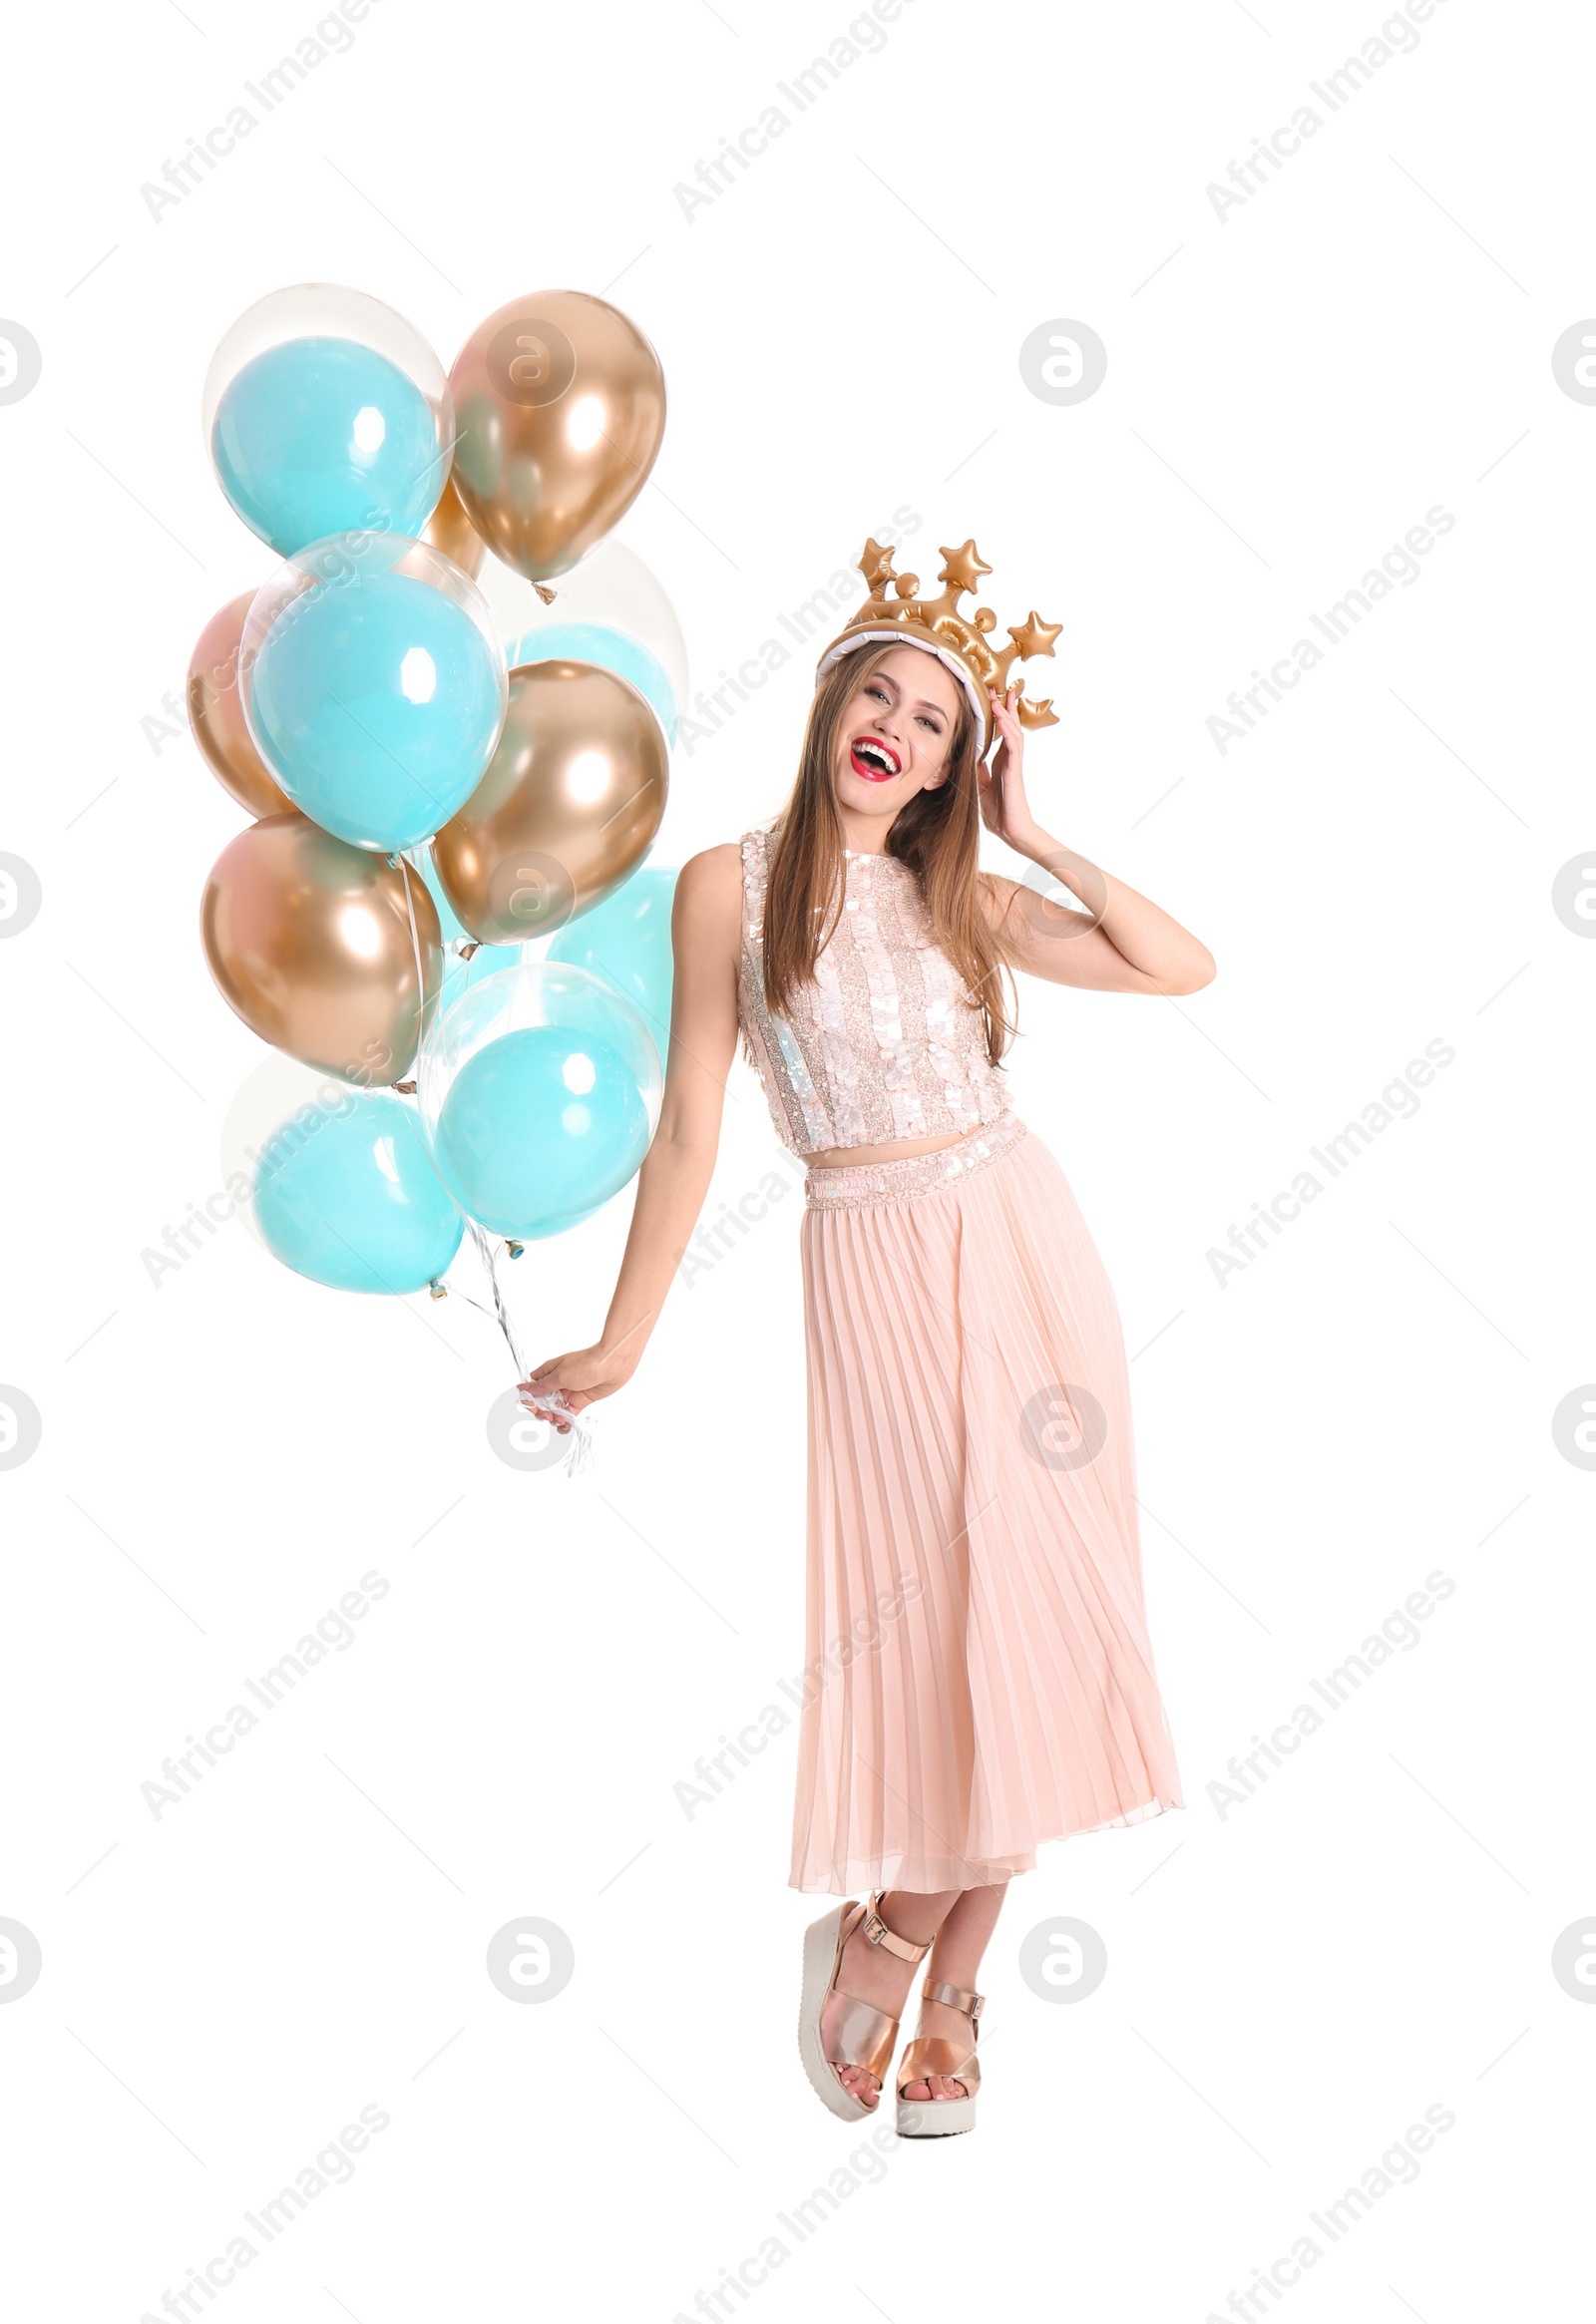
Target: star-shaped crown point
938,621
876,564
963,568
1035,636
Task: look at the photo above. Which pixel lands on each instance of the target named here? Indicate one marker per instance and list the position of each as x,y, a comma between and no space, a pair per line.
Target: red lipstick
874,760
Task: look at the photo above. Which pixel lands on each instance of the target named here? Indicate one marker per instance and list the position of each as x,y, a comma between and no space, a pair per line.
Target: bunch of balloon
425,803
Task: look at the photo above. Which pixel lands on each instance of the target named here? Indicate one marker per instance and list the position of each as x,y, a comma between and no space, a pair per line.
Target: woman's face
896,732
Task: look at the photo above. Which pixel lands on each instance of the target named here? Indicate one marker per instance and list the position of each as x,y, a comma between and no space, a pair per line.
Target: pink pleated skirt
979,1678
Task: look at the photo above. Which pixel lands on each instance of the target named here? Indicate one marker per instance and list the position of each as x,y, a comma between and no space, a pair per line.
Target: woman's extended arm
705,935
1121,943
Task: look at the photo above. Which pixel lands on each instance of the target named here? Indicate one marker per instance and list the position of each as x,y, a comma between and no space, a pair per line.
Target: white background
1290,1985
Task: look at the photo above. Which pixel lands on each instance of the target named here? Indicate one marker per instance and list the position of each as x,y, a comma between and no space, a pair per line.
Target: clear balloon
325,410
626,941
539,1092
272,1092
461,972
346,1195
373,686
614,590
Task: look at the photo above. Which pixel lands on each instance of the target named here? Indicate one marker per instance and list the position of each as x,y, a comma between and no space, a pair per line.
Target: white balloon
281,1094
509,598
612,587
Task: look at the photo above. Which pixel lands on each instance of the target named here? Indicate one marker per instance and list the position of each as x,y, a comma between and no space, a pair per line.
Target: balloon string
477,1304
415,947
581,1454
490,1260
484,1249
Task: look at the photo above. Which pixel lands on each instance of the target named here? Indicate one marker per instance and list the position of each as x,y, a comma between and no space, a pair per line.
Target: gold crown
936,623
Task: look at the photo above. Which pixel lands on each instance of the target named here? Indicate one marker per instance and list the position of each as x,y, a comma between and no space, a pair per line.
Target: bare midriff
841,1157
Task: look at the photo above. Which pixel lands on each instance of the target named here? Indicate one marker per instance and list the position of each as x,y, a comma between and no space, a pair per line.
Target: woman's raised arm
1121,943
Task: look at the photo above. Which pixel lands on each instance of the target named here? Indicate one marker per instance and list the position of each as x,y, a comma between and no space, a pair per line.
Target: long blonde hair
936,835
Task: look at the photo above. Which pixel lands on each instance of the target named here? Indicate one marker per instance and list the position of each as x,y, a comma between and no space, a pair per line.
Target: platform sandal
929,2054
836,2028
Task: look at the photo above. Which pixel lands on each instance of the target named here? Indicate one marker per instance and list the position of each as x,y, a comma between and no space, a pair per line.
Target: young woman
981,1679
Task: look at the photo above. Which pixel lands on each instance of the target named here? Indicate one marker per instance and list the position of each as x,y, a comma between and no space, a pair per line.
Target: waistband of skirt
849,1184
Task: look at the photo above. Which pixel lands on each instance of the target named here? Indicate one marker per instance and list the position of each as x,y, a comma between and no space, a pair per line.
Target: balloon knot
467,950
515,1248
405,1089
548,596
438,1290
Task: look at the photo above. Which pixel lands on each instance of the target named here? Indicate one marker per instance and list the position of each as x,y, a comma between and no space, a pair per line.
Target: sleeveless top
886,1042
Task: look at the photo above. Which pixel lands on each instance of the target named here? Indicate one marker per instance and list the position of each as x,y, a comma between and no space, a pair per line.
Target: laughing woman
975,1624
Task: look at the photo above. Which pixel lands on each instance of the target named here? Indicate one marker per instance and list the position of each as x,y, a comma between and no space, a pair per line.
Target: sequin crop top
885,1042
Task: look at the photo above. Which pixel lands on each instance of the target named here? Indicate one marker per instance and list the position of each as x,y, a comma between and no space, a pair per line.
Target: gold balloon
309,941
450,529
568,809
559,403
215,714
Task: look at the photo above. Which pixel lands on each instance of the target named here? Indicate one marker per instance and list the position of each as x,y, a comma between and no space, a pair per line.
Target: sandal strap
929,2054
853,2032
878,1933
969,2005
859,2034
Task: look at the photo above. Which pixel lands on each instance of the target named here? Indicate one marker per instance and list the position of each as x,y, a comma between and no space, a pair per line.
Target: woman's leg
870,1973
961,1939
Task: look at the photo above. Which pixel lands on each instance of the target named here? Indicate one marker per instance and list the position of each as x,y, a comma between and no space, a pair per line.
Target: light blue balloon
539,1128
611,650
375,700
321,435
626,941
348,1196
